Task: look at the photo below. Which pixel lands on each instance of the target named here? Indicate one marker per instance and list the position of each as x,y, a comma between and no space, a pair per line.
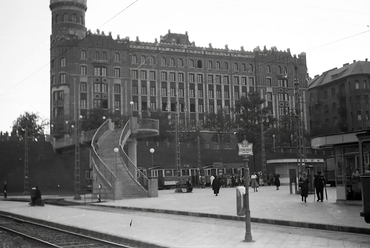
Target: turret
68,19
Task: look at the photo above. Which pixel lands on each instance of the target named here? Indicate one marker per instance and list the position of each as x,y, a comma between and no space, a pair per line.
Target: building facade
123,77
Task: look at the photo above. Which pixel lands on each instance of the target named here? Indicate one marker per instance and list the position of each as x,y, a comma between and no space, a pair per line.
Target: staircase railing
100,166
131,166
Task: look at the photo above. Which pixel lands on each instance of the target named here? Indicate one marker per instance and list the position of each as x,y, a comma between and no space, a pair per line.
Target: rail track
40,235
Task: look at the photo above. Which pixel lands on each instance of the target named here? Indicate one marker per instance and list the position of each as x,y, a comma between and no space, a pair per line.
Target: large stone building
339,100
123,77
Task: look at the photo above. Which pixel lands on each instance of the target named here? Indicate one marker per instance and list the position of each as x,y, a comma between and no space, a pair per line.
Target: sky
330,32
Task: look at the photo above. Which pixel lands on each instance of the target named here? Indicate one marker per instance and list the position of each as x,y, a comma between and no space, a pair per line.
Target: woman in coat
216,184
277,181
303,184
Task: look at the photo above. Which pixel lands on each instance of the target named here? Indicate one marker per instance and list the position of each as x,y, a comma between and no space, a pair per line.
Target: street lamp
178,163
116,150
152,152
131,108
77,158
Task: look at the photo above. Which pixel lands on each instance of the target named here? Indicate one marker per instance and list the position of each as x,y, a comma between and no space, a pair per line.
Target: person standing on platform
254,183
212,178
319,183
277,181
216,185
303,184
5,190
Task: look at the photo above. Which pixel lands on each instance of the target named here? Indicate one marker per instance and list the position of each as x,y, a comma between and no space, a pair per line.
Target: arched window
236,67
117,57
226,66
65,18
82,20
357,85
143,60
279,68
180,62
218,65
83,55
172,62
74,18
56,18
151,61
251,68
97,55
244,67
210,64
104,56
268,69
63,62
134,59
199,64
191,63
163,61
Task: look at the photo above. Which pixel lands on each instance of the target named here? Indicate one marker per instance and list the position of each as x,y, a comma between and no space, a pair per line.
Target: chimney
354,61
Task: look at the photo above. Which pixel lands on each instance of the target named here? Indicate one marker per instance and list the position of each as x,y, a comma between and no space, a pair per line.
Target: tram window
185,172
168,173
154,173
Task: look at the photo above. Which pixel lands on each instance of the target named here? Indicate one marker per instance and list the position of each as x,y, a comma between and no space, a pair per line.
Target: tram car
167,177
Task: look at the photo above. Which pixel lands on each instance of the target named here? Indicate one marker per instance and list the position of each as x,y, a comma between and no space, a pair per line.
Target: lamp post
152,152
25,192
178,163
77,158
116,150
131,108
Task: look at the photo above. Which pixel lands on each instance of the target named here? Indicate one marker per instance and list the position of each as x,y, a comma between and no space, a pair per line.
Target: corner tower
68,19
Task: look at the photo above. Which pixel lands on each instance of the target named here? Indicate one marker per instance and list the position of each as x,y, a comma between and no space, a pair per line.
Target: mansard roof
170,38
356,68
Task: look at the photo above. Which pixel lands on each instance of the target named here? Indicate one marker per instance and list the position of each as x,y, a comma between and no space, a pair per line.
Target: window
244,67
333,91
83,70
135,90
181,92
172,77
200,108
236,80
218,94
83,55
83,87
226,80
74,18
163,61
100,88
96,55
164,91
218,65
117,57
210,79
151,61
211,108
191,78
172,62
268,69
172,91
210,65
218,79
117,104
65,18
191,63
104,56
134,59
200,92
63,62
117,72
199,64
236,67
251,81
210,93
100,71
152,75
269,81
117,89
134,74
181,77
144,90
236,95
83,103
152,91
143,75
180,63
226,94
325,94
58,95
164,76
200,78
143,60
357,85
153,106
269,96
191,93
62,78
250,68
226,66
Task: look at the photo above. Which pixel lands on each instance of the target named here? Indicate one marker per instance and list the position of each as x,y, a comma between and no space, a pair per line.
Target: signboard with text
245,148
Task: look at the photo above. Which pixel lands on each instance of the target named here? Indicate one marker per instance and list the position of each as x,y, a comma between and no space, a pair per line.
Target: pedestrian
277,181
303,184
233,182
216,185
212,178
254,183
5,190
319,183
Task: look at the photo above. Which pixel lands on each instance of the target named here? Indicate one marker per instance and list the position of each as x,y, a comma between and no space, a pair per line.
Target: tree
250,115
220,122
30,122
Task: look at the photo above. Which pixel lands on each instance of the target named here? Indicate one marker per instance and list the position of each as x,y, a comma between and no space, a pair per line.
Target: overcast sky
330,32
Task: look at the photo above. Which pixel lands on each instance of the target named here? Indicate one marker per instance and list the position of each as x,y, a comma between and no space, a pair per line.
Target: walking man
319,183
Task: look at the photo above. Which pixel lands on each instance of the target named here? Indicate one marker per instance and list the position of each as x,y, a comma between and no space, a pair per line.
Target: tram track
46,236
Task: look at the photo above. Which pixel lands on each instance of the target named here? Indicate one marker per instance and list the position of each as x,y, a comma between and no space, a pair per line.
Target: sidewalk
268,205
